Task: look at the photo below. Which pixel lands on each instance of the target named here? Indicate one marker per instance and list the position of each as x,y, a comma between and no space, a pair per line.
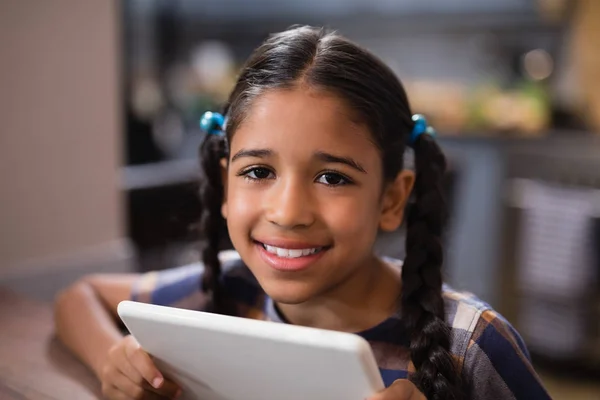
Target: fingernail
157,382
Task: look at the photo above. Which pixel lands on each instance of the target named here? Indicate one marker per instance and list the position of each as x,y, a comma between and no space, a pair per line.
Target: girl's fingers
122,388
142,362
168,389
121,362
111,392
126,385
138,366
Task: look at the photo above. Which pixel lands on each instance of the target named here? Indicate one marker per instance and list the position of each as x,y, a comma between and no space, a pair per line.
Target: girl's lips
290,244
290,264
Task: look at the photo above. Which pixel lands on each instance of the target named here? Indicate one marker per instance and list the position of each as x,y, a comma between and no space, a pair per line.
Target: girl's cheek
350,217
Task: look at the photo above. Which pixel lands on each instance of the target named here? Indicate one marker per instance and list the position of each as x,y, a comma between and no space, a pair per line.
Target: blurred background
99,110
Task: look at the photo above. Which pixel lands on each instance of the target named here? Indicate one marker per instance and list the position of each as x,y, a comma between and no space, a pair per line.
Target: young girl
305,171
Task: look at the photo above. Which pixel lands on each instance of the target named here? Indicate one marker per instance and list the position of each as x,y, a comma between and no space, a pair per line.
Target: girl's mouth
291,253
288,256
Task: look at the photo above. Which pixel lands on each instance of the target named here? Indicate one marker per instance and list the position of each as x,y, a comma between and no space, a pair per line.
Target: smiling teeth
289,253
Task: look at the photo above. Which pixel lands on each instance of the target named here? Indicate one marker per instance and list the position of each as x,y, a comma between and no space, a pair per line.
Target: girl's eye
333,179
258,173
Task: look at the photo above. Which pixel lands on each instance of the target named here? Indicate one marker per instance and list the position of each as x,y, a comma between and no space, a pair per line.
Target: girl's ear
394,200
223,163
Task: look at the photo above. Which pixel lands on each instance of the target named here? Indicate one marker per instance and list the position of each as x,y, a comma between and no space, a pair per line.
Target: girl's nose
290,204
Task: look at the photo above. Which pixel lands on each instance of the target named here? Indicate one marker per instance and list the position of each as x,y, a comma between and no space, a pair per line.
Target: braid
422,303
213,149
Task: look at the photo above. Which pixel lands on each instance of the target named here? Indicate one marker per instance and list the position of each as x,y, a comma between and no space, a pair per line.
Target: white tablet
217,357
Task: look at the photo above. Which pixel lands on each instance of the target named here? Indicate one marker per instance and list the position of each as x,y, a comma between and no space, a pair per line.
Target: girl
306,170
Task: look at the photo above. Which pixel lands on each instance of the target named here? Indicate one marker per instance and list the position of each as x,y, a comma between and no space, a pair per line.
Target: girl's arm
86,318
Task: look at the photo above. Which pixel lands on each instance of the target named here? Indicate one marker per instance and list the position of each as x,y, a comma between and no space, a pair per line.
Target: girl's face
304,194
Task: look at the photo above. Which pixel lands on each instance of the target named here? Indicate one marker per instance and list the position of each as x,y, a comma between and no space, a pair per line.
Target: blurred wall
60,133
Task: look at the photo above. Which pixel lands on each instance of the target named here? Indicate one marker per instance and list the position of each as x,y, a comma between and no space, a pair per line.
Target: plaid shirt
493,359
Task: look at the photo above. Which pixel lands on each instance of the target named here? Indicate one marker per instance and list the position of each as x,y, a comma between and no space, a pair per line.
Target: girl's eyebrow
256,153
320,155
330,158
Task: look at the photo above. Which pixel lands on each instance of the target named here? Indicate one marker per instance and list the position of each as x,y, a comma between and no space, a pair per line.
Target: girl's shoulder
493,357
464,311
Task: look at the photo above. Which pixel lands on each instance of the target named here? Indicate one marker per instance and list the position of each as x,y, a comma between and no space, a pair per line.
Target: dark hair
325,60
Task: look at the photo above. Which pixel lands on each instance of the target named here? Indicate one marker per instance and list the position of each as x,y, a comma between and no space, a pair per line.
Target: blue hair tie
420,127
212,123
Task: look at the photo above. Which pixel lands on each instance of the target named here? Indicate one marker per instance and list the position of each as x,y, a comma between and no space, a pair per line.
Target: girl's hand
401,389
130,374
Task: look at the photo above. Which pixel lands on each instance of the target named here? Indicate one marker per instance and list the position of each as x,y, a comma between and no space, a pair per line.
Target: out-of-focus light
212,61
146,98
538,64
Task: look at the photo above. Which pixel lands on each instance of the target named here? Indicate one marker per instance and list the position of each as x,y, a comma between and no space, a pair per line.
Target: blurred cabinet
550,260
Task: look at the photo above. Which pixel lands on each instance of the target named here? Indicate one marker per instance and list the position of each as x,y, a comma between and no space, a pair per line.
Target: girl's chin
286,294
289,300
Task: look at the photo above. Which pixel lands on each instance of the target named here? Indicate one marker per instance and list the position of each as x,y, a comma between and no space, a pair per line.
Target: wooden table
33,364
